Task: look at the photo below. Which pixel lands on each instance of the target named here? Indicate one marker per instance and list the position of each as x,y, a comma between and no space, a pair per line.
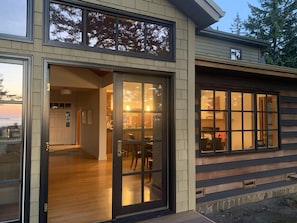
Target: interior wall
89,103
84,85
59,133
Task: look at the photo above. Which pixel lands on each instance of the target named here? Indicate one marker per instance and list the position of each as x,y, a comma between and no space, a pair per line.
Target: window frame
228,131
29,27
111,12
25,171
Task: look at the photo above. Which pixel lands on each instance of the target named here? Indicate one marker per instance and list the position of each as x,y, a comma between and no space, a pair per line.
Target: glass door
140,144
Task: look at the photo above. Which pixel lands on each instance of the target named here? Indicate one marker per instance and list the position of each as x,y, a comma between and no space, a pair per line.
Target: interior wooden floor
80,187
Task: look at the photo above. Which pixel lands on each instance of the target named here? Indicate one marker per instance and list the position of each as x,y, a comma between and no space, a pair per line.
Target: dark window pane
131,35
10,161
101,30
158,40
65,24
9,205
13,17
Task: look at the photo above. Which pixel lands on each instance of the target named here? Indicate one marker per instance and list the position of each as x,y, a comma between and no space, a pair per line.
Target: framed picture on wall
90,117
83,117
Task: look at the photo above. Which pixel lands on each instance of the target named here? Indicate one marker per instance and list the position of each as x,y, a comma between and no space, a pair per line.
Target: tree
275,22
237,25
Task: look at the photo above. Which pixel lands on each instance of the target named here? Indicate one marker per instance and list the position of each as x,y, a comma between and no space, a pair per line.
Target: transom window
16,19
106,30
232,121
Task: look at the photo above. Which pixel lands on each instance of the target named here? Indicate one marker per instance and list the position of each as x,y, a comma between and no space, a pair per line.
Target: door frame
168,204
44,155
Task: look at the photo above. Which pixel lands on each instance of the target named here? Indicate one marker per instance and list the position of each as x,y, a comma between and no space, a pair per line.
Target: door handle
47,146
120,145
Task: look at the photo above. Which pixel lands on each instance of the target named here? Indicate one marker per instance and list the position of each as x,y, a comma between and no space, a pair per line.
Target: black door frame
170,207
44,158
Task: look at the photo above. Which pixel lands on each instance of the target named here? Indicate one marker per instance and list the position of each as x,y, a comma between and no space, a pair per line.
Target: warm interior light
128,108
147,108
65,91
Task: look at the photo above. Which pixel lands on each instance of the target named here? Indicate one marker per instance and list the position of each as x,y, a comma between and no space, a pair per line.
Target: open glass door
140,144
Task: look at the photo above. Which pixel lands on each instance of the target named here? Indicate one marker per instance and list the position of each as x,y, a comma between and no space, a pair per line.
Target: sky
13,12
231,8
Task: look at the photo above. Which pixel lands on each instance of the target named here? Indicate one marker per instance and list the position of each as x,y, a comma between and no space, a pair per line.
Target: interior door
140,143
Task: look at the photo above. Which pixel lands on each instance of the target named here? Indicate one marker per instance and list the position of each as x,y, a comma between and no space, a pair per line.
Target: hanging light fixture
65,91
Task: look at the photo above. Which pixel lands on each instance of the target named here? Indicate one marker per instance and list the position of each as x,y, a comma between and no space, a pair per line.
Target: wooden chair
136,153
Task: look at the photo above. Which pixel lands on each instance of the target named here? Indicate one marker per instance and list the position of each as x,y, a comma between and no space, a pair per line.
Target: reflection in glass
10,161
11,99
272,103
132,120
10,121
13,17
153,94
248,118
65,23
11,82
272,138
151,191
101,30
236,122
158,40
10,202
155,153
132,96
131,189
236,101
221,100
248,104
221,121
248,140
131,34
157,126
207,99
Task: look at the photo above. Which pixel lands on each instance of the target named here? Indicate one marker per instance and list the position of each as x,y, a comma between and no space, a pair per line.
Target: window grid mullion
229,122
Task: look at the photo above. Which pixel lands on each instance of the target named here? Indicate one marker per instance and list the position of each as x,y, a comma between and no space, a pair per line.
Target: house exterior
108,76
245,123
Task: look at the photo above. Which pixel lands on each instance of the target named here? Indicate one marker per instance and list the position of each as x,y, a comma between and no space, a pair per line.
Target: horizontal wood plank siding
221,49
241,191
227,175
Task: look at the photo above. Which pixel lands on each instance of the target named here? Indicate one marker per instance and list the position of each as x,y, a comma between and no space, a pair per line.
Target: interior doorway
79,163
111,160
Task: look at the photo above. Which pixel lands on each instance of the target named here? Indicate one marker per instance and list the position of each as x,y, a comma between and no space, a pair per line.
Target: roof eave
203,12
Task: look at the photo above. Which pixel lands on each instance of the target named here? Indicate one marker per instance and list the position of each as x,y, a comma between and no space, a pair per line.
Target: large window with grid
235,121
91,27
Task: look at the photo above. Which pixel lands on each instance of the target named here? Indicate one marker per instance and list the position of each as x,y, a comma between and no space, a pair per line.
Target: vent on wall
246,184
200,192
291,176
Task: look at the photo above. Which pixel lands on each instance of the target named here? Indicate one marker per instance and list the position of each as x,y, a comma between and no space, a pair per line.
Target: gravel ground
275,210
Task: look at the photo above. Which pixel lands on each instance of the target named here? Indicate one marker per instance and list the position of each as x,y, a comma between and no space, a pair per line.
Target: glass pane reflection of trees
108,31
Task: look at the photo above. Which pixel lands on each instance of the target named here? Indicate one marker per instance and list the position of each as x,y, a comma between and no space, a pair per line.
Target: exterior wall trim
242,66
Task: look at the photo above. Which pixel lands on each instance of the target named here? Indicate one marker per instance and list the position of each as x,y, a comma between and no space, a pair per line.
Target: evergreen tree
237,25
276,22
